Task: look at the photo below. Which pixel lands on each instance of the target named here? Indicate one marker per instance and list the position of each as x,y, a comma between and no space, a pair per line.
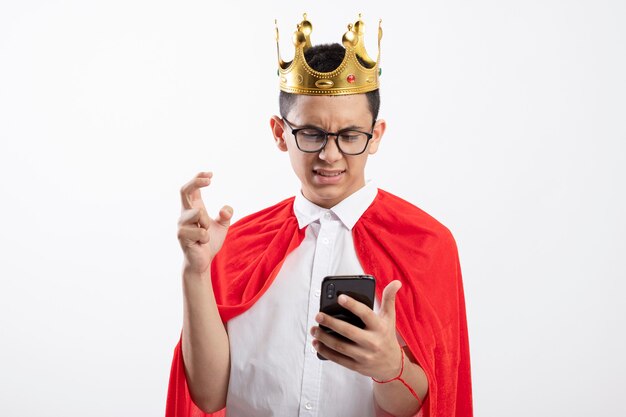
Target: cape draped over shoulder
393,240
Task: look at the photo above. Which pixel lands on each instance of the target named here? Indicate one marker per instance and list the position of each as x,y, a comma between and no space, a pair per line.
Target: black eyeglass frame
327,134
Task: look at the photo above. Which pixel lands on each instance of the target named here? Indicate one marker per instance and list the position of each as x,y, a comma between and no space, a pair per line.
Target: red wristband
399,378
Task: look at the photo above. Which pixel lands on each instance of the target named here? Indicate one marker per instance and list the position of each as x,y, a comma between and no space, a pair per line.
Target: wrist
399,378
190,274
393,373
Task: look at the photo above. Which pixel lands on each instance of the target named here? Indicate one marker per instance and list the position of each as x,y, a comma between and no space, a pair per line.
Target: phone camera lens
330,291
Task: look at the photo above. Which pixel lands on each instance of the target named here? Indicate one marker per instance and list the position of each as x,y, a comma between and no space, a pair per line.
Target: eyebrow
351,127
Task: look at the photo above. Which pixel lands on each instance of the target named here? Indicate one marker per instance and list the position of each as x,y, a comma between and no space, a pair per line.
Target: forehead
331,110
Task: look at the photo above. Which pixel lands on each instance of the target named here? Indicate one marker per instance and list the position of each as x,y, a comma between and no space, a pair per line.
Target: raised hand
200,236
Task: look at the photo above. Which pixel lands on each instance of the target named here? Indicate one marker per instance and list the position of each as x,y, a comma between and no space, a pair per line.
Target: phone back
359,287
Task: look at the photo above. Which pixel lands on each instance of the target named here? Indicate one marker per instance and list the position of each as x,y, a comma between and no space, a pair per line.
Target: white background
505,122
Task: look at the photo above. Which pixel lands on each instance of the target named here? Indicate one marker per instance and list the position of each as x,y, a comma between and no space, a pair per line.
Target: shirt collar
349,210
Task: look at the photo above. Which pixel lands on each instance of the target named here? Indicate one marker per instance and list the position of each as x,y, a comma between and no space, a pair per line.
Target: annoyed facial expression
328,176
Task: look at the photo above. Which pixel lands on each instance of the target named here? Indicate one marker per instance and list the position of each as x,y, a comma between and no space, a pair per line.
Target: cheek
358,165
301,162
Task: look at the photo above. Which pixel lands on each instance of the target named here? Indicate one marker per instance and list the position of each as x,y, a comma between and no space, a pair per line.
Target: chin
326,196
329,194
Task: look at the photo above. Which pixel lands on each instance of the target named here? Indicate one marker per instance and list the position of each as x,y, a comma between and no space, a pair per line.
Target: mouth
326,177
329,173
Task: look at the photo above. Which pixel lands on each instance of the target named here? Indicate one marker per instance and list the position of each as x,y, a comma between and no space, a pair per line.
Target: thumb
388,304
224,216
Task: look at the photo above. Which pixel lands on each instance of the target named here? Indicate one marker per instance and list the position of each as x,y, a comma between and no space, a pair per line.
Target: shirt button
317,293
325,241
328,215
308,406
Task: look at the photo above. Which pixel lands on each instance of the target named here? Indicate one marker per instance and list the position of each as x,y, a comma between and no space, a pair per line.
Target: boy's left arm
375,352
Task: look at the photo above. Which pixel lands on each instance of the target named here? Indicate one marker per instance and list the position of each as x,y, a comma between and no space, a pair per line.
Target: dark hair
326,58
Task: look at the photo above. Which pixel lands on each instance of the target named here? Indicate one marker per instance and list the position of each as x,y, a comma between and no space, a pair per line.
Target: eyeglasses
312,139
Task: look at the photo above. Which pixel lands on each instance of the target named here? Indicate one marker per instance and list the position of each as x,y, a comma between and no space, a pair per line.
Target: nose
331,152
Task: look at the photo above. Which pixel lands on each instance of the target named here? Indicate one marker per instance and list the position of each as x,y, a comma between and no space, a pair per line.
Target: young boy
251,332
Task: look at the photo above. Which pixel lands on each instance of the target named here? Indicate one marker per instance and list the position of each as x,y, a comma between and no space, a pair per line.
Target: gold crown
351,77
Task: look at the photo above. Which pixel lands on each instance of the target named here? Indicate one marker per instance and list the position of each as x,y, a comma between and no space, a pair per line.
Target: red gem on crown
351,78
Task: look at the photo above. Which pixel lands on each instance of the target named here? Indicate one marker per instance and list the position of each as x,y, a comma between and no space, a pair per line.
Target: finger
346,348
334,356
352,332
224,216
388,303
361,310
189,235
190,192
195,216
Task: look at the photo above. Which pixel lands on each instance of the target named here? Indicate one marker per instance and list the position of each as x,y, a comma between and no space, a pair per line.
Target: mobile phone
359,287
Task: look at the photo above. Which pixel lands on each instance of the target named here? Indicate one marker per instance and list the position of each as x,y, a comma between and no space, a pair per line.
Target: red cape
393,240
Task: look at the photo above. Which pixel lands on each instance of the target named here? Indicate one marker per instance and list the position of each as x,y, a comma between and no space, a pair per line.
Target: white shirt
275,370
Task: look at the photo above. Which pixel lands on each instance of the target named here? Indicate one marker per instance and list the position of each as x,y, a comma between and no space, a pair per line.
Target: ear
377,132
278,132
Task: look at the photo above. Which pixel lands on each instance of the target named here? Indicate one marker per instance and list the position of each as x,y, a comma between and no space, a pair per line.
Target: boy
251,332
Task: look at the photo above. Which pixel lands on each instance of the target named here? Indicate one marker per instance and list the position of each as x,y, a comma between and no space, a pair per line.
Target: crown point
349,39
299,39
306,27
359,27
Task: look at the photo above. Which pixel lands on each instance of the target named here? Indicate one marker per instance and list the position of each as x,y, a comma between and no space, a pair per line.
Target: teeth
328,174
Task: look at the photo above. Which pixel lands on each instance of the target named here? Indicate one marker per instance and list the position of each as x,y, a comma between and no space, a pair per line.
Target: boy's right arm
205,345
